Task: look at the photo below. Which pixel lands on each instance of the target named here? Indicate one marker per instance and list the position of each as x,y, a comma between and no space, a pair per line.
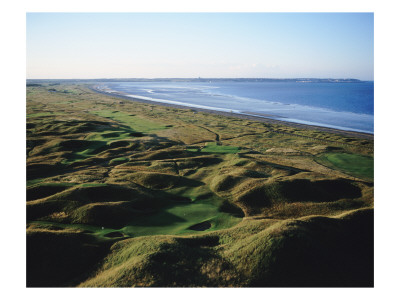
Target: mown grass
136,123
109,136
179,217
214,148
353,164
119,160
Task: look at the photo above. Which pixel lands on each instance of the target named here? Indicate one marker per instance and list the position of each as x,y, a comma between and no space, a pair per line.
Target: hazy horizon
207,45
155,78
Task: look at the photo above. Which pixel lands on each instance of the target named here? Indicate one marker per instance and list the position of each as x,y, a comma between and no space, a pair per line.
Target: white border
13,140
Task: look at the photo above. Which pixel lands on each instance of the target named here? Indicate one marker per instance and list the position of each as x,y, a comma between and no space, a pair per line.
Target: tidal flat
123,193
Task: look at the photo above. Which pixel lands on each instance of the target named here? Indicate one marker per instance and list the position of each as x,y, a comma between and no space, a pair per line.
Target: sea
346,105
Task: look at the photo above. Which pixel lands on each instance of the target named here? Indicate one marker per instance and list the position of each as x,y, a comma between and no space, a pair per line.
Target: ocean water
341,105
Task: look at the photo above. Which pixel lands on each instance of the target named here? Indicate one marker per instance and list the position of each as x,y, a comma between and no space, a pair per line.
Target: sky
187,45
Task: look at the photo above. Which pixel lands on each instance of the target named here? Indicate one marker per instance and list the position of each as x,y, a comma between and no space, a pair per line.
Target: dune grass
40,114
255,253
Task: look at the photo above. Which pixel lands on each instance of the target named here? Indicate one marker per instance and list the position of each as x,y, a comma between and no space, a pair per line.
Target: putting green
353,164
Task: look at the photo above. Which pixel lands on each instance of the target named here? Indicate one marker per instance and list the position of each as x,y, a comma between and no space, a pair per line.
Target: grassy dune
254,253
135,194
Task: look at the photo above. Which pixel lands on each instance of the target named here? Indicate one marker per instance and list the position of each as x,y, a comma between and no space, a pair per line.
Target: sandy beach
263,119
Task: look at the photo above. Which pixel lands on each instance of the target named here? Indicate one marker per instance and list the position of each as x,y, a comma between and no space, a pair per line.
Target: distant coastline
201,79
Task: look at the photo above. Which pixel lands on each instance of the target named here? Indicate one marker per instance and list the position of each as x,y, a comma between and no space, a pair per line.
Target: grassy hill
122,193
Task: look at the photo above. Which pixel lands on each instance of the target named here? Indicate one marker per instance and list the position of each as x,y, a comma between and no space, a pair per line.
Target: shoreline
263,119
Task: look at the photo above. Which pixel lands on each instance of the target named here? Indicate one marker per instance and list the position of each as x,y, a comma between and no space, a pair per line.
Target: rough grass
41,114
44,190
102,205
256,196
157,181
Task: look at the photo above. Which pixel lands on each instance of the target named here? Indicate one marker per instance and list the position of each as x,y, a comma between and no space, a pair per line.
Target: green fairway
353,164
176,219
119,160
84,151
136,123
109,135
214,148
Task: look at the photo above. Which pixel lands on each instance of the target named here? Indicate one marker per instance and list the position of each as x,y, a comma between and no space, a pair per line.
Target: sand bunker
114,234
201,226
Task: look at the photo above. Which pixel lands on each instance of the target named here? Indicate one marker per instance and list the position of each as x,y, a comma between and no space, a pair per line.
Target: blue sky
271,45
